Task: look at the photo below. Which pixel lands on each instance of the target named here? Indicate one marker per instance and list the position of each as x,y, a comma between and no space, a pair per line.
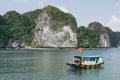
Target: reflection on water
83,71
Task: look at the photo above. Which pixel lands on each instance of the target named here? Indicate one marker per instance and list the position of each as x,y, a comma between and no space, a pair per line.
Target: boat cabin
88,60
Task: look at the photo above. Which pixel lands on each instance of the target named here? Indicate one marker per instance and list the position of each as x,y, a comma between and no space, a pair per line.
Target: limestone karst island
51,27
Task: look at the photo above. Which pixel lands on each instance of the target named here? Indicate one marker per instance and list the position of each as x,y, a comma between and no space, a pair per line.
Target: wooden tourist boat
86,62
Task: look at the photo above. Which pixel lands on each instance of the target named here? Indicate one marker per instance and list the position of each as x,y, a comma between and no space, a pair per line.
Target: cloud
114,23
117,4
63,9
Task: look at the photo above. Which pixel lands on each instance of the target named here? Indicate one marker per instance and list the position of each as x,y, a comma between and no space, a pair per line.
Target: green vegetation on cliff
59,18
20,27
87,38
4,31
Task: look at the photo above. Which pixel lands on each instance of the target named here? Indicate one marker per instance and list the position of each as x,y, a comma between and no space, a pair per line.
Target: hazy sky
107,12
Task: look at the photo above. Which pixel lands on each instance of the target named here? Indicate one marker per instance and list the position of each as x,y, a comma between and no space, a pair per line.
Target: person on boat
78,62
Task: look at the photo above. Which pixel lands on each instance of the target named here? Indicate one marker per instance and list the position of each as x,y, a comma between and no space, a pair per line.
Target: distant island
50,27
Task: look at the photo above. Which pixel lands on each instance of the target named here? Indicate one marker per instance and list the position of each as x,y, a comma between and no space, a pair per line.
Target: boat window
92,59
97,59
86,59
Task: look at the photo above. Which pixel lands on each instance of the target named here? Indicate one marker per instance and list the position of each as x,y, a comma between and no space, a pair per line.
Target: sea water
51,65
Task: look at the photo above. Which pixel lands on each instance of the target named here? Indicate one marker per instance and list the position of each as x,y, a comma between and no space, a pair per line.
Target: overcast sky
107,12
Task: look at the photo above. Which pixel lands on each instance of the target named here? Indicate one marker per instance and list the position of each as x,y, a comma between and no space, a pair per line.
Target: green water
51,65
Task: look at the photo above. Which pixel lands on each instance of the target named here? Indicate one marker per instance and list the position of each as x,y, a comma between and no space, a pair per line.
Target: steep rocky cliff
104,37
118,39
54,28
114,37
50,27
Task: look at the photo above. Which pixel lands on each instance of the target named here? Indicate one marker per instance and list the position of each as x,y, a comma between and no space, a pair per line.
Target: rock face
114,37
118,45
117,39
45,36
104,37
